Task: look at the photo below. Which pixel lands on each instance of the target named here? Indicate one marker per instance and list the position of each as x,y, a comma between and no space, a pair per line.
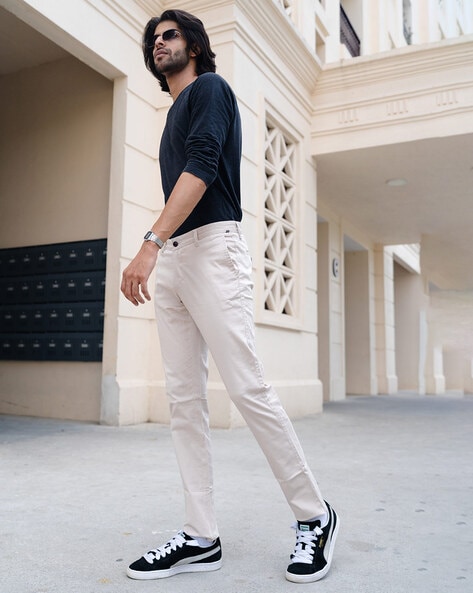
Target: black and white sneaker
313,552
181,553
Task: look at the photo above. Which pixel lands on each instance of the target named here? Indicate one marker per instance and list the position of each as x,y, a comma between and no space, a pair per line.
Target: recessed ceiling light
397,182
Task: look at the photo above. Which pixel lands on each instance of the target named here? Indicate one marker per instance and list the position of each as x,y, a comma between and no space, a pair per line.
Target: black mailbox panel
49,259
86,347
52,301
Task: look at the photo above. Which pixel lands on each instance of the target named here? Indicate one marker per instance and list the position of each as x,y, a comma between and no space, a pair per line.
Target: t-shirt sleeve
212,110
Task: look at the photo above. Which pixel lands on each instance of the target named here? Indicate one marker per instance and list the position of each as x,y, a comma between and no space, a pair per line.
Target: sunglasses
165,36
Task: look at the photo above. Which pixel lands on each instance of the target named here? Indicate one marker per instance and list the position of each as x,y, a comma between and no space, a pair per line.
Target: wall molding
401,87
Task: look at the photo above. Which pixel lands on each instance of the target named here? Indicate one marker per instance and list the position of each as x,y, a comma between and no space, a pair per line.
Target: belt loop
195,234
237,224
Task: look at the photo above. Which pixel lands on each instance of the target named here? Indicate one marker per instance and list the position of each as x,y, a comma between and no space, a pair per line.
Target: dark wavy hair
193,32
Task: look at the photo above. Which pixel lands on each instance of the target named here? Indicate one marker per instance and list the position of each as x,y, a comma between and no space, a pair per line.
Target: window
407,20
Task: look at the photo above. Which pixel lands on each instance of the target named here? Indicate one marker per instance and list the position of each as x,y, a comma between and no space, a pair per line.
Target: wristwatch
150,236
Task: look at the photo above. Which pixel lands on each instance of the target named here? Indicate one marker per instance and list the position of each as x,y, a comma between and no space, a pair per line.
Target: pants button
175,243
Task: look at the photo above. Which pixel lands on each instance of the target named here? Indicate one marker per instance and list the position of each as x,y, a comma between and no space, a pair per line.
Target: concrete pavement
78,502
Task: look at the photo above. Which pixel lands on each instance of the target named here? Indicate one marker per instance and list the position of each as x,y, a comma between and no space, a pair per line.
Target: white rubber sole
163,574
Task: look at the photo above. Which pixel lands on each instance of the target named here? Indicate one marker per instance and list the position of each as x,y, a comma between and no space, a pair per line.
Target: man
203,300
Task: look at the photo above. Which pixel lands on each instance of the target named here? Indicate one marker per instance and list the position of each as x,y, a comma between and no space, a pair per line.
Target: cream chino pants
204,302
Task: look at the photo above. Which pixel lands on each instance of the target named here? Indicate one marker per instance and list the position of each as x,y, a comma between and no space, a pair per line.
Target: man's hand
136,274
187,192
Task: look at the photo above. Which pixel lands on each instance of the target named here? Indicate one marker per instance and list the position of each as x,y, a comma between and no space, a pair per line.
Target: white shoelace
305,543
171,546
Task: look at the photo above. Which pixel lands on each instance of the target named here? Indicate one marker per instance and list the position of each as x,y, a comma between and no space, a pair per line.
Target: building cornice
276,29
393,92
151,7
397,63
124,14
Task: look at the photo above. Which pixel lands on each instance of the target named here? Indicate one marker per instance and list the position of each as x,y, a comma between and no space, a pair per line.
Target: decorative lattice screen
287,6
279,218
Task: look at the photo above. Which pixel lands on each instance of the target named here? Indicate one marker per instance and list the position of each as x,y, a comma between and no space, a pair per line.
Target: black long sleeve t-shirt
202,136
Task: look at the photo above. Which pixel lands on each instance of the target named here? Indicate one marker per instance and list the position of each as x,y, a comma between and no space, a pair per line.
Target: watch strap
150,236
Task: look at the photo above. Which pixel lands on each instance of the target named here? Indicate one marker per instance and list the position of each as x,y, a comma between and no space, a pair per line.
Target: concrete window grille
279,223
287,6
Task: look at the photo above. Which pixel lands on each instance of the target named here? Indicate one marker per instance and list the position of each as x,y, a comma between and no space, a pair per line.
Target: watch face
150,236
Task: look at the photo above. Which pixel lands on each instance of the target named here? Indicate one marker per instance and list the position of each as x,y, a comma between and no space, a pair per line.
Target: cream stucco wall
331,304
82,135
108,41
450,322
410,306
358,335
262,88
55,154
54,184
359,348
385,323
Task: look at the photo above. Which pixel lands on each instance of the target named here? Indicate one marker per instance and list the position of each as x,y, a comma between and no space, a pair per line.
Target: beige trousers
204,301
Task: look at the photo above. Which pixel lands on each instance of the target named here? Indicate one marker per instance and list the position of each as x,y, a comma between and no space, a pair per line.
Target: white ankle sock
203,541
322,518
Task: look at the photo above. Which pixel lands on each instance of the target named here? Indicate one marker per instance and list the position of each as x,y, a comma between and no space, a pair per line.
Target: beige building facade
356,175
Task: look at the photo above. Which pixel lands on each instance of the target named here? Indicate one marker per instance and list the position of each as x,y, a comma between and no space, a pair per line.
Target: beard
172,63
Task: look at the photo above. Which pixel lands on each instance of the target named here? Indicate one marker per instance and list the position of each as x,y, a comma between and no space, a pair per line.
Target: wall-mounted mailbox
52,301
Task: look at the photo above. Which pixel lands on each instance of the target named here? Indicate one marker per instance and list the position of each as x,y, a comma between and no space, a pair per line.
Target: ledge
406,86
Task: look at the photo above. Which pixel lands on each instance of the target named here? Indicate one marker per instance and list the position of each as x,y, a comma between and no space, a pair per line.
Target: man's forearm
185,196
